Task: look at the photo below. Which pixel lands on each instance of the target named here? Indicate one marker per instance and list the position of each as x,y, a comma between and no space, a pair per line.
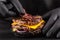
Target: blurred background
34,7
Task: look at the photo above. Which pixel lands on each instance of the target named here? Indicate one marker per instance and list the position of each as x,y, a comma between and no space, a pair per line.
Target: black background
35,7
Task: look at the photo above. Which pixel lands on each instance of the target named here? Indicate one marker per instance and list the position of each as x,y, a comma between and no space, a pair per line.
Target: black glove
53,24
5,9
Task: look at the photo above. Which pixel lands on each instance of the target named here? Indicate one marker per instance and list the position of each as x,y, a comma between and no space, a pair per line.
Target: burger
27,24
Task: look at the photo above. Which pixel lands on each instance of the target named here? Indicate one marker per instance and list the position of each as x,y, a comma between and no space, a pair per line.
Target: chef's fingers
18,6
54,28
55,11
49,23
58,35
4,10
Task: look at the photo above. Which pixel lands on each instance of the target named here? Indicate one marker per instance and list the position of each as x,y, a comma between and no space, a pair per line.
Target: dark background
35,7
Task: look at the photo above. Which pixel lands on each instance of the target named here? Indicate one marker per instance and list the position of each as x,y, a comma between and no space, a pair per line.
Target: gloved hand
5,12
53,24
